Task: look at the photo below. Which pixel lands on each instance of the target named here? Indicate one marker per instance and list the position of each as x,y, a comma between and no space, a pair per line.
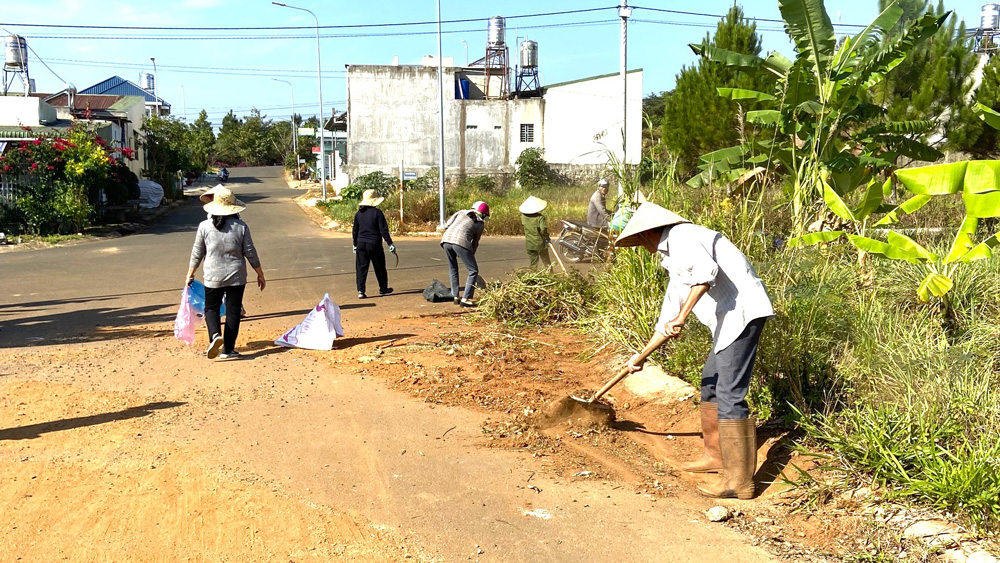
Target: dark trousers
725,379
455,253
234,305
374,254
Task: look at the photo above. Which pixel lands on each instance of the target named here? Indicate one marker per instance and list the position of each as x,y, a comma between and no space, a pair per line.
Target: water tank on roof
15,53
496,29
989,16
147,81
529,54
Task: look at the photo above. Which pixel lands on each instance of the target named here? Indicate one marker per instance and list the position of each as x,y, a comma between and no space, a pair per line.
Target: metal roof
118,86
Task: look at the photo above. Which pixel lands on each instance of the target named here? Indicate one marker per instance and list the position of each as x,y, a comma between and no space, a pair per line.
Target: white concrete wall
30,112
583,120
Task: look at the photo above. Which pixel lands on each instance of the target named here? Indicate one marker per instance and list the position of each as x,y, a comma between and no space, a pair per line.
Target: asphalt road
62,294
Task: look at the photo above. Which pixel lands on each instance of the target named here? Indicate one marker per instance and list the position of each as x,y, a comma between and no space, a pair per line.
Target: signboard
315,150
302,161
409,175
307,131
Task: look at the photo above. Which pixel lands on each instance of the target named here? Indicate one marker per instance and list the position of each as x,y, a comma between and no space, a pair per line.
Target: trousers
535,255
374,254
234,305
725,379
455,253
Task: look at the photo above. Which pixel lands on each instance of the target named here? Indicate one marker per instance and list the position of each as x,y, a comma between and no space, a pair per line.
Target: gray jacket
597,212
464,228
224,252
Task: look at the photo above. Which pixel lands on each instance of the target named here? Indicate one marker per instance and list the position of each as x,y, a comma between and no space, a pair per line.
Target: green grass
903,394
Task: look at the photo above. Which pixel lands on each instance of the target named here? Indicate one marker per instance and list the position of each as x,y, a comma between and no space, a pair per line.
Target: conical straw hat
224,203
649,216
533,205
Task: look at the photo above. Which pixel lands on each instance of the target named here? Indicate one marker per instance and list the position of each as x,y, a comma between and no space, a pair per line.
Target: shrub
482,183
382,183
532,170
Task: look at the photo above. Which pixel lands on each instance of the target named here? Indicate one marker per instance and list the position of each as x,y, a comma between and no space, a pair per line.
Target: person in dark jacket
370,227
536,231
460,242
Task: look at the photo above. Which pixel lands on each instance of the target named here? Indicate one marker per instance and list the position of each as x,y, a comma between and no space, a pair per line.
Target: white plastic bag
184,324
318,331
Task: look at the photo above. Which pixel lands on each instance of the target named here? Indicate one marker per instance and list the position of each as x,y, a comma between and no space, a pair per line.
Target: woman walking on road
460,241
224,244
370,227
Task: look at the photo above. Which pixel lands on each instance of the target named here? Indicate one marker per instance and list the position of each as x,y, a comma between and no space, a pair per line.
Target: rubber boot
711,459
738,443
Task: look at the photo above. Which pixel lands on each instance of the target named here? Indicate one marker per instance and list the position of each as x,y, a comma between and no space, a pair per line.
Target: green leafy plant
821,128
382,183
532,169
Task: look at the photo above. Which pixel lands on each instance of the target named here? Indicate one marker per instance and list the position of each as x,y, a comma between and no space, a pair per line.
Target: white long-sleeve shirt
694,255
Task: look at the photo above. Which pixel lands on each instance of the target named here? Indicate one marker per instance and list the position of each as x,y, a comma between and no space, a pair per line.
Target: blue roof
118,86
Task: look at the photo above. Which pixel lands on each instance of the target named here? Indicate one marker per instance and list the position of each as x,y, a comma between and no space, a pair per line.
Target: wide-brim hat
370,199
649,216
533,205
209,194
224,203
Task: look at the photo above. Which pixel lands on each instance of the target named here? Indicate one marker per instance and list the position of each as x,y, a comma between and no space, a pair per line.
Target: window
527,132
472,127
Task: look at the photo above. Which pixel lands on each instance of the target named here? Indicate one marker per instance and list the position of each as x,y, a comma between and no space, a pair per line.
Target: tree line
935,83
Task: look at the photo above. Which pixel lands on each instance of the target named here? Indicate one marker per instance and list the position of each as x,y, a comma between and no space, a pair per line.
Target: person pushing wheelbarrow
711,278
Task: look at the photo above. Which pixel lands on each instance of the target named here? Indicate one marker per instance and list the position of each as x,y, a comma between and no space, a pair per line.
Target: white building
392,118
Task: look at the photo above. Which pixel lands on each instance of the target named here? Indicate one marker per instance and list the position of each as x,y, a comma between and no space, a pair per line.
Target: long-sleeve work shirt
694,255
224,252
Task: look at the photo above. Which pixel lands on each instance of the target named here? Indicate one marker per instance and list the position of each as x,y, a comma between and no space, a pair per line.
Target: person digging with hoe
711,278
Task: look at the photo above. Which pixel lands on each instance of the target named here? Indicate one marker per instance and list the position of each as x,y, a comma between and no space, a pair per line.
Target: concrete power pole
624,12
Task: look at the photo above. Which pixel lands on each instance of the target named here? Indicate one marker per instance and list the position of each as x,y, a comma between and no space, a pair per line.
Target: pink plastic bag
184,324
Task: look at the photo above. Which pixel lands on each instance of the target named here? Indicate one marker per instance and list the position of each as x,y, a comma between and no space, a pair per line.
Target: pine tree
696,120
935,81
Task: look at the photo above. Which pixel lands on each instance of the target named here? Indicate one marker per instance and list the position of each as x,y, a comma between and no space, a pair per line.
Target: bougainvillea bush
59,180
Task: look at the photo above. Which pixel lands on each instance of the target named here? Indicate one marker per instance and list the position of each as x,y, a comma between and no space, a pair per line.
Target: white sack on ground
150,194
318,331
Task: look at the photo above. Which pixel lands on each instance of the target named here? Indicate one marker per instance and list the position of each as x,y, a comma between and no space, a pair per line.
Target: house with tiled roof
118,86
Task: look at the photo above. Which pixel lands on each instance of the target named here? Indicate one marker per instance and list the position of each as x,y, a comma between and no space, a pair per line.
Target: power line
322,36
311,27
700,14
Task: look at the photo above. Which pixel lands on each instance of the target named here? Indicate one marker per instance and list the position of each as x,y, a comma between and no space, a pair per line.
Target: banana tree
819,126
978,182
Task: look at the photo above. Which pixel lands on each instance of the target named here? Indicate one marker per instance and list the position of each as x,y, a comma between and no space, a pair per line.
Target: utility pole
319,75
184,103
624,12
441,109
156,99
295,131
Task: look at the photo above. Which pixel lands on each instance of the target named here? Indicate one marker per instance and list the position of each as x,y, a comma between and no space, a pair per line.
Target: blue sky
571,46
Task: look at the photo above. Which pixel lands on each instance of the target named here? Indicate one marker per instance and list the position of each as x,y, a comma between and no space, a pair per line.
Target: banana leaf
835,202
934,284
910,247
912,127
982,205
982,250
868,37
987,114
810,28
874,67
982,176
963,240
938,179
908,206
741,94
727,57
815,238
764,117
871,201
